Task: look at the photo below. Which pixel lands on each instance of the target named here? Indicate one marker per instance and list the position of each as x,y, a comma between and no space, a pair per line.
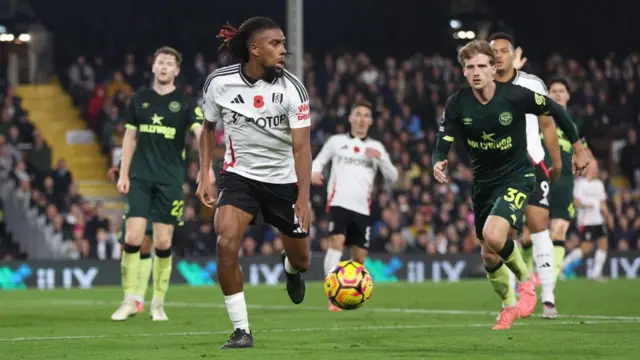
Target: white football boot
126,310
157,311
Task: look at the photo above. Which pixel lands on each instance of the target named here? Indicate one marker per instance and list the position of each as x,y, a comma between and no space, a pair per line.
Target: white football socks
543,259
598,263
237,309
288,267
331,259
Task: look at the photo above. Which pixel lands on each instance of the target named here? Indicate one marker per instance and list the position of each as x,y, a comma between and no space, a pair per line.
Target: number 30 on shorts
177,209
516,197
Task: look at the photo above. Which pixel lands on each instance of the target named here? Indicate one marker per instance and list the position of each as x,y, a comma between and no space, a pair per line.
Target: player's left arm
548,129
539,104
550,133
388,170
300,124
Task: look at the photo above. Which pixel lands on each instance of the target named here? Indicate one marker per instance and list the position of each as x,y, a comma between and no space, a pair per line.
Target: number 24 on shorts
516,197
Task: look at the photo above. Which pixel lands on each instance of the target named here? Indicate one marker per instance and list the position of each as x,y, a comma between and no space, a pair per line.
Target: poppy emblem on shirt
258,101
356,149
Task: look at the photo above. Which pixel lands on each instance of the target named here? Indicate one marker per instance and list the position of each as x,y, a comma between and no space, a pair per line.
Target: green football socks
510,254
144,274
161,273
527,255
499,278
129,265
558,255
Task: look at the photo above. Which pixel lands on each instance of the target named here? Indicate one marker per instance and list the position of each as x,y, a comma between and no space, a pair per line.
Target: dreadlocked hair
236,41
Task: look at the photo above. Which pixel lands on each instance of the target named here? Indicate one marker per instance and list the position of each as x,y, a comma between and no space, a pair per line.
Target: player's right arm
212,114
128,146
445,138
320,162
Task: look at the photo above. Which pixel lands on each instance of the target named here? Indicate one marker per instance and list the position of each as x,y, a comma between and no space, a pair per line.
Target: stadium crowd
416,215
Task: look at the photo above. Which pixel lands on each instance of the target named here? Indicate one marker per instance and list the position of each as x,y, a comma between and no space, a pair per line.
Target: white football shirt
257,119
591,193
352,172
534,144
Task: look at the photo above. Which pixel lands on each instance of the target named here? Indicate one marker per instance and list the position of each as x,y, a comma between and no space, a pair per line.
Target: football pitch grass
407,321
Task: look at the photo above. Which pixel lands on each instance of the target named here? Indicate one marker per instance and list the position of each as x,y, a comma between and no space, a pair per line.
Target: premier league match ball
349,285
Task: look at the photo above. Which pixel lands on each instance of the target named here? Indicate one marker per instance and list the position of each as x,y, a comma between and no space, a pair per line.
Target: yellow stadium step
51,110
620,182
98,189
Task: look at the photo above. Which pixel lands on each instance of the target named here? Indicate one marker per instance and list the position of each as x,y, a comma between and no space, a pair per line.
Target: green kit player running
151,174
489,117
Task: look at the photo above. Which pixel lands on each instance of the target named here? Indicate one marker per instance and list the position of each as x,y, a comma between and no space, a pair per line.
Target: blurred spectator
630,159
81,80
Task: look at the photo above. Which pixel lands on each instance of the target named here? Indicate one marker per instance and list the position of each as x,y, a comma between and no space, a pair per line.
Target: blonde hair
474,48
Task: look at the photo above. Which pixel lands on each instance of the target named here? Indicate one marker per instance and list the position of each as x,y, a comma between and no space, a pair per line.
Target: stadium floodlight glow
470,35
462,34
24,37
455,24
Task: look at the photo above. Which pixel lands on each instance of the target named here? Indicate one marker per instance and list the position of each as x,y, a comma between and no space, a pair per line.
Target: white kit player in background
590,200
508,64
355,160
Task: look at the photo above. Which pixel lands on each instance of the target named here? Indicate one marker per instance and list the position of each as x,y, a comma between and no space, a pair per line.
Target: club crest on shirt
505,118
276,98
174,106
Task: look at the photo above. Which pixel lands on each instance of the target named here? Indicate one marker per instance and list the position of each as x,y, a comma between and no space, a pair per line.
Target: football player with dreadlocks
265,112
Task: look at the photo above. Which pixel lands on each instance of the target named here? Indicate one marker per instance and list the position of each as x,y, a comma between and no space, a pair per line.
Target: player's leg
507,209
559,229
333,256
277,204
538,222
139,204
573,260
166,212
600,257
146,266
527,247
337,231
497,273
498,276
236,209
358,236
537,219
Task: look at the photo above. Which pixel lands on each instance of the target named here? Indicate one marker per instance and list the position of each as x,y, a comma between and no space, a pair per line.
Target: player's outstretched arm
550,133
